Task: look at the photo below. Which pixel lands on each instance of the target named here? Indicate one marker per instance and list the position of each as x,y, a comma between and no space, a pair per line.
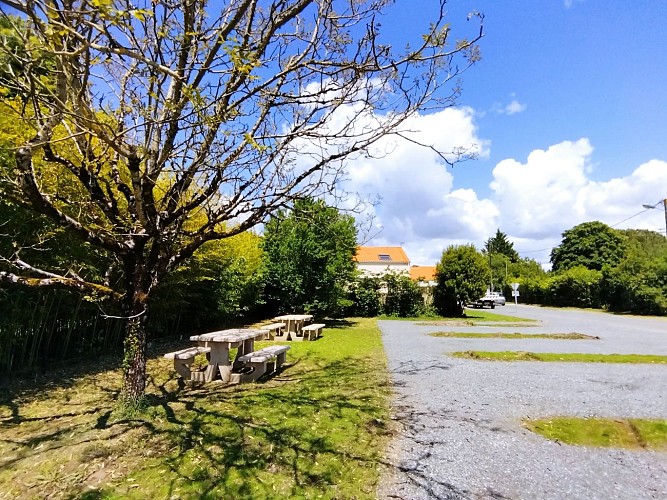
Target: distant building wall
378,269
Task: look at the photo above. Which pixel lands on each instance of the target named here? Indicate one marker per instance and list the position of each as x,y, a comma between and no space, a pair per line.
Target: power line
631,217
612,225
533,251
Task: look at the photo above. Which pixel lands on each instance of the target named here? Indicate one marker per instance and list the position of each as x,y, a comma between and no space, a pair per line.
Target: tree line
304,262
621,270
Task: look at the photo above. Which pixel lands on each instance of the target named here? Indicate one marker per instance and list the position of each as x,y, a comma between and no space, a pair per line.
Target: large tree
164,125
500,244
309,259
462,275
590,244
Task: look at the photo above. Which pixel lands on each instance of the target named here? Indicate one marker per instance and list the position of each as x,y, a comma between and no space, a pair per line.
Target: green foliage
526,268
500,252
309,259
404,297
595,266
462,276
219,285
577,287
41,328
19,54
646,244
590,244
364,297
499,244
636,285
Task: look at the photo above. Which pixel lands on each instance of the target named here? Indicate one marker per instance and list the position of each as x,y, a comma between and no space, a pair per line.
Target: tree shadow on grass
339,323
300,430
293,431
243,440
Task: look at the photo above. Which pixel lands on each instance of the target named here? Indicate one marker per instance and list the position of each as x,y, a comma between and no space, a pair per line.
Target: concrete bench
184,358
312,331
274,331
266,360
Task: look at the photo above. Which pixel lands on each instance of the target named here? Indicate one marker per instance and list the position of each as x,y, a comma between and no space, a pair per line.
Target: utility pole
490,275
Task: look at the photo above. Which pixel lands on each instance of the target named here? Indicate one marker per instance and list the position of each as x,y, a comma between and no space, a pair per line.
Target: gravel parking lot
459,421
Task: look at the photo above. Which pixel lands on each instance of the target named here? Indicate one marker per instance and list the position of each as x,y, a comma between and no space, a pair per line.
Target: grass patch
422,317
568,357
473,317
516,335
603,432
316,429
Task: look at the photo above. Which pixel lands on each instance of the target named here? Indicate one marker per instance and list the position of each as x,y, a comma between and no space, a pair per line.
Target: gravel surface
459,421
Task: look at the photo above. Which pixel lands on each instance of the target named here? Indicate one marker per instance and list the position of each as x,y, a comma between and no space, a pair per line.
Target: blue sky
567,103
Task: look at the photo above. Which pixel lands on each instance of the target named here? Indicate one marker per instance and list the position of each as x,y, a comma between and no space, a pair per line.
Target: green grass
488,316
317,429
472,318
421,317
603,432
516,335
567,357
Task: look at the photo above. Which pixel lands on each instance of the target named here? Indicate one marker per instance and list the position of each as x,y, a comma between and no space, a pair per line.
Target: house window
384,256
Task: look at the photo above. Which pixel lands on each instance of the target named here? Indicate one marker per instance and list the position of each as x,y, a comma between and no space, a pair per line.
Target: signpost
515,292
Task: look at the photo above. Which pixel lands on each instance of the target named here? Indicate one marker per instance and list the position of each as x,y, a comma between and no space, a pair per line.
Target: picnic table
294,325
220,343
248,365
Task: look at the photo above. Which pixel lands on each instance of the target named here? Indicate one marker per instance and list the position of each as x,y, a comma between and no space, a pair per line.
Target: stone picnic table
220,343
293,325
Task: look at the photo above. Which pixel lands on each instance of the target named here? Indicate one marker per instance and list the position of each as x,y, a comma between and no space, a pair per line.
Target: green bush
462,276
637,286
575,287
404,297
364,297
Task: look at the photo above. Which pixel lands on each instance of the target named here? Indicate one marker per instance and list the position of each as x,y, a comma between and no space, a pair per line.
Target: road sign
515,286
515,293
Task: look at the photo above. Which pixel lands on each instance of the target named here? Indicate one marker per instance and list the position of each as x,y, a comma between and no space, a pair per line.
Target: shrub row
612,288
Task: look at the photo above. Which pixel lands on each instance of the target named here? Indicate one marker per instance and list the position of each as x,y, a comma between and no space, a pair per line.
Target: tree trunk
134,346
134,358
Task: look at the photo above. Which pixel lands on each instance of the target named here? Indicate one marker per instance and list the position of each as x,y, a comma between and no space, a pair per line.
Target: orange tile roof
427,273
368,255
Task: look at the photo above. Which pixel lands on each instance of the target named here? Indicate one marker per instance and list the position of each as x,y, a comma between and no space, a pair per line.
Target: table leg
246,347
219,363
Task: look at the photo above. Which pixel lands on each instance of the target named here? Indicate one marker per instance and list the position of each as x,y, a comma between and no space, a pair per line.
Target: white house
424,275
376,261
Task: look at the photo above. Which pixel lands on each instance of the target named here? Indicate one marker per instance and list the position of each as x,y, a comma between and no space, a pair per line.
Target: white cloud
512,108
552,191
533,202
419,207
570,3
539,196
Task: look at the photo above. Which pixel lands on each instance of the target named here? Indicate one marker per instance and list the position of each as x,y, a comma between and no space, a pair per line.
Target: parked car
498,298
490,299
